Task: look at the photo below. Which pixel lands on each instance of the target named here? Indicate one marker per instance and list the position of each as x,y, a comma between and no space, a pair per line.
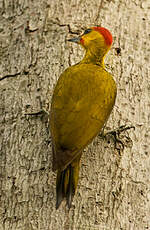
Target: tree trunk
114,184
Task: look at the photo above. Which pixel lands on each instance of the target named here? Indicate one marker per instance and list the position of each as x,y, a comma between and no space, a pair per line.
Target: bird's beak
76,40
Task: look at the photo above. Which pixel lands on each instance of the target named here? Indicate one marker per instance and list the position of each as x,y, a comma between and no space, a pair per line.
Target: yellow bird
82,101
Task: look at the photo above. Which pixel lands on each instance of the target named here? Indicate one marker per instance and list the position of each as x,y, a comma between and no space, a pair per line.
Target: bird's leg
120,141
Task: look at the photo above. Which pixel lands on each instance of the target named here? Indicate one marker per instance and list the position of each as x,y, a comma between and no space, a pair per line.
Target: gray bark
114,185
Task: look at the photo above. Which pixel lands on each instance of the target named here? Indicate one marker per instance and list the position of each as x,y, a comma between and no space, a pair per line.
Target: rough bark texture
114,186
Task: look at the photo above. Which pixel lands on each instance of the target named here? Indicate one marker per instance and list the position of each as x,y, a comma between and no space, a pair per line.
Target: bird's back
82,101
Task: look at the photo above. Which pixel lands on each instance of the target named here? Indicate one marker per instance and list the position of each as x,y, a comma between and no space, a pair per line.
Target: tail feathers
60,188
66,184
70,188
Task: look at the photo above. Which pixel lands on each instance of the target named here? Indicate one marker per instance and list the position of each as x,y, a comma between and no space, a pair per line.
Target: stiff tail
66,183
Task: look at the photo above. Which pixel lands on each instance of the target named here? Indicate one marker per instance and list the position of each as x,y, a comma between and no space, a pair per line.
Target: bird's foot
120,137
43,111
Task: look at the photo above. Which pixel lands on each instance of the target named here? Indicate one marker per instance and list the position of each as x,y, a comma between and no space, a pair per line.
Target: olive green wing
80,106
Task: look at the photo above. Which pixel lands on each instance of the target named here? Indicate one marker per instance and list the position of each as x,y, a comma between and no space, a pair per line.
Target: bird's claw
40,112
120,141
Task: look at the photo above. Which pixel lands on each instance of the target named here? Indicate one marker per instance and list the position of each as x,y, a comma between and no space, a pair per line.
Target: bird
82,101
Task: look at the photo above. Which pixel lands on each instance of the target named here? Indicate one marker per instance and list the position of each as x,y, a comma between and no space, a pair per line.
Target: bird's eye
87,31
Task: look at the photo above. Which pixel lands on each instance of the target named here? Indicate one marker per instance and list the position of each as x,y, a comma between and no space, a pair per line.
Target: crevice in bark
10,75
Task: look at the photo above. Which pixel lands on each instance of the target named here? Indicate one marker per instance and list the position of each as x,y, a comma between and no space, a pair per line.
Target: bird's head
95,39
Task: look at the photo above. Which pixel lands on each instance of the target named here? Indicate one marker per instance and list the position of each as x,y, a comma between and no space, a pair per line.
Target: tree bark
114,184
